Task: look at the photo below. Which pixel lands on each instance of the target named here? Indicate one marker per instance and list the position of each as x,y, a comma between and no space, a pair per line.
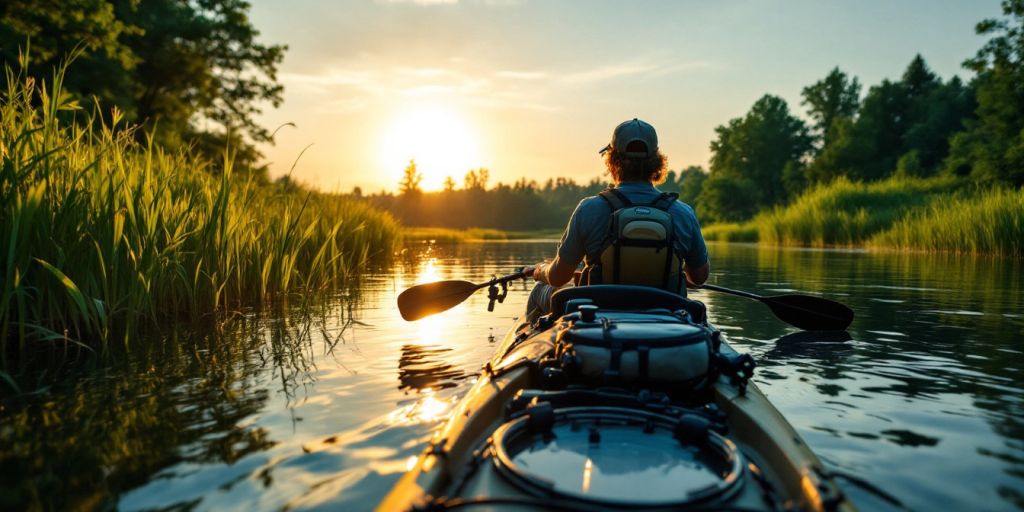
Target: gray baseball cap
632,131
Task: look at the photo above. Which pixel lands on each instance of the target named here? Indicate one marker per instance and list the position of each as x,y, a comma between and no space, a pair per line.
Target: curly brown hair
624,168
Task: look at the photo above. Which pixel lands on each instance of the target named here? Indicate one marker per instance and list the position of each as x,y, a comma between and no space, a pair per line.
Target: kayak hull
459,466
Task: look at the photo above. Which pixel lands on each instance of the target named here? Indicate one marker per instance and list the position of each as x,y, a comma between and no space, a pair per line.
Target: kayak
624,398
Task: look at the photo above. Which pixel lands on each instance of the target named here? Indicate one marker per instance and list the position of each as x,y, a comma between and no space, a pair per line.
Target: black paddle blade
810,313
427,299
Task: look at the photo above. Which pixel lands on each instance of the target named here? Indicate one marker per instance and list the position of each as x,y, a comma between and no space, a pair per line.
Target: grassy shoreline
105,237
908,214
471,235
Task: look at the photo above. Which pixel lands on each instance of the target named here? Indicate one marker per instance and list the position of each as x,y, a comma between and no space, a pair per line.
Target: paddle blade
430,298
810,313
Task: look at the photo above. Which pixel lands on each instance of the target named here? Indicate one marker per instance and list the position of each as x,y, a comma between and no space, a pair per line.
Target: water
919,406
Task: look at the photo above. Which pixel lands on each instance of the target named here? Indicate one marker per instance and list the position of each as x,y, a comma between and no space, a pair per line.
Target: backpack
640,246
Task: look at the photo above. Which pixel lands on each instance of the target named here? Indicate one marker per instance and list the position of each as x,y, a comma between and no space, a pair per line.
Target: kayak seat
627,297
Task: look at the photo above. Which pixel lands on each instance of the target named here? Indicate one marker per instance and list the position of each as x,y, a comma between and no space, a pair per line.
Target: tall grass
988,221
102,236
847,213
731,232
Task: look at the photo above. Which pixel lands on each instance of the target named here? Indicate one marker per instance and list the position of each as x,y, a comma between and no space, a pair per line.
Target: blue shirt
587,231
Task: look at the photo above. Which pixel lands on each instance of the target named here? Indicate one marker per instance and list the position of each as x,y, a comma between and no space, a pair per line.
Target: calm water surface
918,406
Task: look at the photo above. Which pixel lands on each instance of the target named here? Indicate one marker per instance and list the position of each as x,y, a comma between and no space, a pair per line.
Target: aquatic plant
103,236
985,221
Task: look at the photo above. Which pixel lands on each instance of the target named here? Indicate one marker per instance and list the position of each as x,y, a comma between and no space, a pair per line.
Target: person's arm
698,266
695,276
556,273
570,253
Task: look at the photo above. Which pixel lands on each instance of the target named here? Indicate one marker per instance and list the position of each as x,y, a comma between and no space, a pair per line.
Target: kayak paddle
430,298
807,312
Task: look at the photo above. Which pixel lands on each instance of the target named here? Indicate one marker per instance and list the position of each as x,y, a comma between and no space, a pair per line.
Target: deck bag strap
668,352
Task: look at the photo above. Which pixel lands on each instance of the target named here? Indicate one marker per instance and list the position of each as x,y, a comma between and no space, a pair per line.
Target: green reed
103,236
847,213
731,232
985,221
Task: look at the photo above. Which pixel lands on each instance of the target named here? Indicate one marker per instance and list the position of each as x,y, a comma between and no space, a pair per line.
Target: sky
533,89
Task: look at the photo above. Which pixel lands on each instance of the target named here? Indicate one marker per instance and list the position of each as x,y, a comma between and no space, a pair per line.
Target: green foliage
690,184
848,213
727,198
749,157
918,114
982,221
992,147
104,237
182,65
833,97
731,232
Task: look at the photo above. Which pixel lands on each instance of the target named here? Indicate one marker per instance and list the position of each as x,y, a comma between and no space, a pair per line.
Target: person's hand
537,271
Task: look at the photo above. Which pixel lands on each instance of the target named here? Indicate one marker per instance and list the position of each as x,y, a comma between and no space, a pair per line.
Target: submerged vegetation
104,236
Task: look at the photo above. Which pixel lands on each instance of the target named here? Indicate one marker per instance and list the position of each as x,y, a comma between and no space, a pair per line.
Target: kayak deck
466,464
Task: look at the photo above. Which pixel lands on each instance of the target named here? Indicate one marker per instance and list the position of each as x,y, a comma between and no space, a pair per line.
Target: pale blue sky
531,88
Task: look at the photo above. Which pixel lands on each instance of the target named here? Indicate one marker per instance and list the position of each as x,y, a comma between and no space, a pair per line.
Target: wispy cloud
529,89
427,3
521,75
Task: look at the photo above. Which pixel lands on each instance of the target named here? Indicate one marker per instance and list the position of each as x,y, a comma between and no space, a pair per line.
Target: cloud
428,3
521,75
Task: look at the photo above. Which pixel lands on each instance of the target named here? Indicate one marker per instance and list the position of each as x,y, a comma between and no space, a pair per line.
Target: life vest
640,246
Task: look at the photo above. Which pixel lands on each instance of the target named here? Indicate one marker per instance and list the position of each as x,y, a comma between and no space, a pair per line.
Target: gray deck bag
633,349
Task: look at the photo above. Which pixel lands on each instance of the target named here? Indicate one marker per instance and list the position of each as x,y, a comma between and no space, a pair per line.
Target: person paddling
631,233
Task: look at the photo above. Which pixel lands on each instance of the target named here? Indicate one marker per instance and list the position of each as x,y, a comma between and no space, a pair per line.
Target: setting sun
440,141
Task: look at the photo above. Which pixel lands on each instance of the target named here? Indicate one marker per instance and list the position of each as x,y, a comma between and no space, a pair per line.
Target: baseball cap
632,131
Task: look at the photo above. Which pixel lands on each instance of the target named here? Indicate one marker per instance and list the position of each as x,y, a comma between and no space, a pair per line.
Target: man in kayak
631,233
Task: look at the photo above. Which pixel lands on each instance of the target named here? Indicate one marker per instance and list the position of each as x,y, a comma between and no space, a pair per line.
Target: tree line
192,69
916,126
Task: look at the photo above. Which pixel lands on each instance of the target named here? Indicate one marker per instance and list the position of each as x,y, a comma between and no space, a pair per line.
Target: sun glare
440,141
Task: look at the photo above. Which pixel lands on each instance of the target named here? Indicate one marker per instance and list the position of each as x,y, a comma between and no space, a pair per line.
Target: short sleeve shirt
587,231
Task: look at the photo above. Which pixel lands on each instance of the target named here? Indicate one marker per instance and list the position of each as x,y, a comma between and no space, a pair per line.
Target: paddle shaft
740,293
804,311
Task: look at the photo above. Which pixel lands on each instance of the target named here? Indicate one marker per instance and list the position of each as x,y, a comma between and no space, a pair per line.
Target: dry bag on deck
620,349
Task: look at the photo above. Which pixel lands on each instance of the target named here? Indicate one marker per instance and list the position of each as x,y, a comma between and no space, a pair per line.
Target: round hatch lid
616,456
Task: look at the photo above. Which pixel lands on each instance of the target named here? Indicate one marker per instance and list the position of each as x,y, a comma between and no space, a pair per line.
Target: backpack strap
664,201
616,199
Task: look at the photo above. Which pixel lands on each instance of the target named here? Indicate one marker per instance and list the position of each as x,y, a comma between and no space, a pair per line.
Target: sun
440,141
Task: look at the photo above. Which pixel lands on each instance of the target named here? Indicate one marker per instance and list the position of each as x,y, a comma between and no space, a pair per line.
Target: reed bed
987,221
103,236
731,232
848,213
451,235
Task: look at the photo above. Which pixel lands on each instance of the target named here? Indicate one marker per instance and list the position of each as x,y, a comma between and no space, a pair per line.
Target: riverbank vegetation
936,214
105,236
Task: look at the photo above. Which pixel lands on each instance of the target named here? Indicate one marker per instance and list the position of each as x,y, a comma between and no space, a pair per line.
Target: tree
992,147
476,180
828,99
728,198
194,68
755,149
411,179
449,184
691,183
